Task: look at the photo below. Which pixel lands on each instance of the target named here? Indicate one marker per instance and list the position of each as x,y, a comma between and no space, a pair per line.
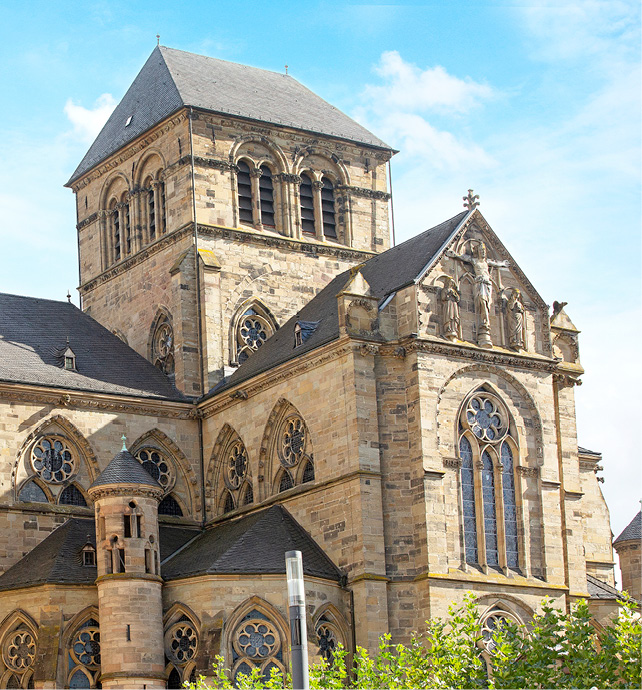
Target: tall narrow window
510,508
266,194
307,206
468,497
487,462
490,513
151,207
128,230
244,186
327,209
115,229
162,211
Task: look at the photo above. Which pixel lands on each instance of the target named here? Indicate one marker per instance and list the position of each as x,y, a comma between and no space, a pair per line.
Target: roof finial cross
123,438
157,39
471,201
68,296
286,69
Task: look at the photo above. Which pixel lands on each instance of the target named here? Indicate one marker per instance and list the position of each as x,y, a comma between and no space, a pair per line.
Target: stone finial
123,438
471,201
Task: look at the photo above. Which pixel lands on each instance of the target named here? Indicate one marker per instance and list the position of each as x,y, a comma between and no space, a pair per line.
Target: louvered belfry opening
244,184
266,194
307,206
327,209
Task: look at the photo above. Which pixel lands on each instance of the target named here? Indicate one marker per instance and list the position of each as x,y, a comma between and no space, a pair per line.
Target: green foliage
556,650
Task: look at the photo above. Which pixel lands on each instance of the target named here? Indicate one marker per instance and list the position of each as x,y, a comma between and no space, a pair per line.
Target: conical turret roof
633,530
125,469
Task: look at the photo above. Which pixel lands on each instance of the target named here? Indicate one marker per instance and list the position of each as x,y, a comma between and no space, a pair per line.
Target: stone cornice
491,579
363,192
320,249
87,221
124,489
128,151
126,264
129,576
87,400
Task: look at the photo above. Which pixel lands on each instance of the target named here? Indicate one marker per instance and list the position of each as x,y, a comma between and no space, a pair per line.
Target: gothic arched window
32,492
237,481
487,476
162,345
72,496
53,459
158,466
169,506
84,656
252,327
19,648
256,643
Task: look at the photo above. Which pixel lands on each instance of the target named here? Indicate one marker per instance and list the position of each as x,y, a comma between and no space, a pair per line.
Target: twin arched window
487,451
255,189
318,216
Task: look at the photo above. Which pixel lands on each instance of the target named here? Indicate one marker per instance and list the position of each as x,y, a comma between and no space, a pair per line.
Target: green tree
555,650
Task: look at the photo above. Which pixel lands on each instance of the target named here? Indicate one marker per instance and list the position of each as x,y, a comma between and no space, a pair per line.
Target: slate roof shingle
633,530
601,590
34,331
125,469
172,79
253,544
586,451
386,272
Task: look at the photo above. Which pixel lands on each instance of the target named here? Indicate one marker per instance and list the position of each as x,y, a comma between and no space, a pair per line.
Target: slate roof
172,79
601,590
125,469
33,337
386,273
57,559
633,530
255,544
586,451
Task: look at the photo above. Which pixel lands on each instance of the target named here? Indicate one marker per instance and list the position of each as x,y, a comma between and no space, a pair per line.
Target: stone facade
382,415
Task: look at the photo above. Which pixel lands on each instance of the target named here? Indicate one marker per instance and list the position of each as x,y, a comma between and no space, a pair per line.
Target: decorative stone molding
566,380
287,177
369,349
525,471
91,219
102,491
452,463
364,193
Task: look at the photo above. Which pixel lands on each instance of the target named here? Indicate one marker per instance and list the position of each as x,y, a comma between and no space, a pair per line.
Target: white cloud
408,87
88,122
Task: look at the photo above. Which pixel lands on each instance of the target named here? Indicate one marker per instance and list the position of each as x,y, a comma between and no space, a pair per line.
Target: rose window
490,625
52,459
293,441
182,643
485,418
19,651
253,332
327,641
257,639
157,466
236,465
85,648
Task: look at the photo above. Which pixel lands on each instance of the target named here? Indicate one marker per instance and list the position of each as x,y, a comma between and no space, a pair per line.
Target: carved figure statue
450,300
483,287
515,317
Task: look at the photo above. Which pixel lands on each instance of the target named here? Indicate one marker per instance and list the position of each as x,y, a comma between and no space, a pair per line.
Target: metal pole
298,630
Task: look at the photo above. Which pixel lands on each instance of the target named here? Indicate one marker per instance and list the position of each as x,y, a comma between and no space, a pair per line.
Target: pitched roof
253,544
172,79
633,530
385,273
57,559
586,451
125,469
34,334
601,590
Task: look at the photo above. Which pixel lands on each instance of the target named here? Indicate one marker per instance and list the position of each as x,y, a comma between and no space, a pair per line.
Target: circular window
491,623
85,648
485,417
163,347
19,650
253,332
52,459
257,639
181,643
293,442
157,465
236,465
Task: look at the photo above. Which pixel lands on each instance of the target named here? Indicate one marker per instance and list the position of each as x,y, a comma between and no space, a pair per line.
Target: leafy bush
556,650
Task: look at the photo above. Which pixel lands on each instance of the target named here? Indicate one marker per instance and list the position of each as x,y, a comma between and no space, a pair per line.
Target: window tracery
19,650
327,638
162,345
253,328
158,466
491,622
181,642
72,496
52,459
293,446
256,643
487,479
32,492
236,476
84,656
169,506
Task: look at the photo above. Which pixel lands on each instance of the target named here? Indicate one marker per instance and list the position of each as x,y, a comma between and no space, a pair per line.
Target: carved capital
399,352
369,349
288,177
256,172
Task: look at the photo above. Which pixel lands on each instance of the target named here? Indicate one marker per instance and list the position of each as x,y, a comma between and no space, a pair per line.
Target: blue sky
536,105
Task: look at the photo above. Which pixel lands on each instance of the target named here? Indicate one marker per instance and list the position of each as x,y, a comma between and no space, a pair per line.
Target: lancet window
19,648
237,480
252,327
72,496
162,345
154,200
181,646
294,452
487,447
84,656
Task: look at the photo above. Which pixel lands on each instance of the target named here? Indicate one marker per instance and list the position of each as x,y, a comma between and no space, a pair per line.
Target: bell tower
129,584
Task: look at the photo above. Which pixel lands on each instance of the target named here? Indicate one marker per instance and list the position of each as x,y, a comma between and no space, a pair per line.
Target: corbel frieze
363,192
88,221
526,471
452,463
126,153
111,490
566,380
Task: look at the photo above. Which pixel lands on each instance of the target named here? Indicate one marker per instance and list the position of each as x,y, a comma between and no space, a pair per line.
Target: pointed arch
30,482
81,644
60,426
176,611
160,341
229,472
77,620
330,629
246,338
185,480
286,444
18,632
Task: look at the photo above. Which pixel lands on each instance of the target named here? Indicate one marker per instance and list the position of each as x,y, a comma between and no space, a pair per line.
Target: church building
254,369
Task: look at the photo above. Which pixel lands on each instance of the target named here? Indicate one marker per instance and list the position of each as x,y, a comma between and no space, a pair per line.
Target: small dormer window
303,330
298,335
69,359
89,555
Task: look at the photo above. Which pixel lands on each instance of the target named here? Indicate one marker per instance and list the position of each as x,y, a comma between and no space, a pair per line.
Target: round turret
629,548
